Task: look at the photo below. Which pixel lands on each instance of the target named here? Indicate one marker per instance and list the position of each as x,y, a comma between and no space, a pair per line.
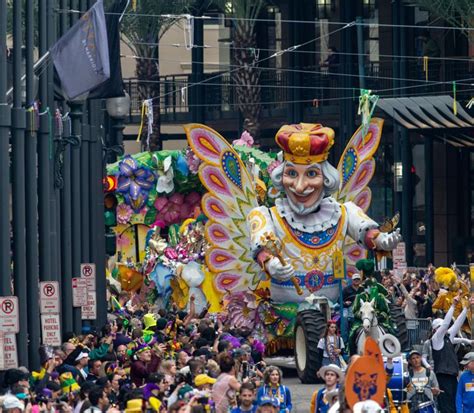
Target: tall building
425,166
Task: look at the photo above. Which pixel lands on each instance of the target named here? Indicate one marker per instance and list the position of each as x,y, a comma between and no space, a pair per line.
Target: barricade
418,331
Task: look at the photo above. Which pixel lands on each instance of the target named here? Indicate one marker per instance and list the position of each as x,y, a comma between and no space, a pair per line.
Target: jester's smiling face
304,185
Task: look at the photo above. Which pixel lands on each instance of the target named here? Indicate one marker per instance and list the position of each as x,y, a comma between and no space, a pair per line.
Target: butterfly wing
230,198
356,169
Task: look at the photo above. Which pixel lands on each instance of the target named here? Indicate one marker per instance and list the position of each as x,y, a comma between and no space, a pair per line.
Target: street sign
89,311
49,297
79,292
88,272
10,355
399,253
51,329
9,321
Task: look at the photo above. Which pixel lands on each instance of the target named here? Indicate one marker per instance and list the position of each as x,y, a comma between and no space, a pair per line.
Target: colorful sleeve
459,394
359,224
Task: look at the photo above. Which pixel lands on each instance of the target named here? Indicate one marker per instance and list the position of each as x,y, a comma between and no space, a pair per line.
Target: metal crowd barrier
418,331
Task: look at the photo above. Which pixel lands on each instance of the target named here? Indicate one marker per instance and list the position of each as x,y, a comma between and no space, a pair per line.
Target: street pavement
300,393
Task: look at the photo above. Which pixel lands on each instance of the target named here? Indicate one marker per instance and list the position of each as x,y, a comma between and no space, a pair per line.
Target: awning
432,115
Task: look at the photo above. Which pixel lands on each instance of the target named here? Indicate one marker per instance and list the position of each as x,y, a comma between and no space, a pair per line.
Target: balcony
321,91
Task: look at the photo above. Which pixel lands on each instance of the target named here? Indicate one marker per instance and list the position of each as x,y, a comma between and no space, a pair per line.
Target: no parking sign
49,297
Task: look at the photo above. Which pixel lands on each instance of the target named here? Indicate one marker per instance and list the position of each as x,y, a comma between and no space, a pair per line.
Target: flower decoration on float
134,182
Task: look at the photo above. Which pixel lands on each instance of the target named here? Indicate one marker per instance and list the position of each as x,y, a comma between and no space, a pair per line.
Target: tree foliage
142,30
244,15
458,13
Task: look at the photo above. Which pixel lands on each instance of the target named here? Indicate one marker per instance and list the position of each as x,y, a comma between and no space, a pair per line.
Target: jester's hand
279,271
388,241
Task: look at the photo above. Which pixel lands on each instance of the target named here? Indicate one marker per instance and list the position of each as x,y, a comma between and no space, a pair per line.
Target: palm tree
142,30
244,14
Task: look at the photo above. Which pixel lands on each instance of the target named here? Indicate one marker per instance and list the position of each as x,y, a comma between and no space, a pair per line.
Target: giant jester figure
319,219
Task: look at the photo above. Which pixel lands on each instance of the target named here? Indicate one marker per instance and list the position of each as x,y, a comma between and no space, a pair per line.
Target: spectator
94,367
465,390
273,388
268,405
98,400
225,388
246,399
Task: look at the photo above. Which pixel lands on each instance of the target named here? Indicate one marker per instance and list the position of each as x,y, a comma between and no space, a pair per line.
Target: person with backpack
423,385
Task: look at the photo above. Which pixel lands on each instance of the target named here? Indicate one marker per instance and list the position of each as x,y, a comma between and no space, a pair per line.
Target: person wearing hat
268,405
308,218
443,340
465,390
350,292
146,362
421,378
203,382
12,404
332,376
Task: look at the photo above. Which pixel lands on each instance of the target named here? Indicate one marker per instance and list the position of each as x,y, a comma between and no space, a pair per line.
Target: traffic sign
49,297
89,311
9,321
88,272
399,253
51,329
79,292
10,355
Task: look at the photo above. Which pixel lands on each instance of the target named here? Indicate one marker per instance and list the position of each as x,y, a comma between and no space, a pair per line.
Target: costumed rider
308,222
374,292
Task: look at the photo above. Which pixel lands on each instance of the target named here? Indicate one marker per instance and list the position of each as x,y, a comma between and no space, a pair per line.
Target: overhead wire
176,45
434,93
303,71
223,17
280,53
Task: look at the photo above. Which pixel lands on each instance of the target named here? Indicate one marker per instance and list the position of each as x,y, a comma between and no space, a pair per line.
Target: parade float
262,239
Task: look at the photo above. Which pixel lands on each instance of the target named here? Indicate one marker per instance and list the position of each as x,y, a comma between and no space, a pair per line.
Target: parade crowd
149,359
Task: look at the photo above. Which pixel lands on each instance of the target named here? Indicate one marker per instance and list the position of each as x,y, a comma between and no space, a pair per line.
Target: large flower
165,180
242,310
246,139
134,182
124,213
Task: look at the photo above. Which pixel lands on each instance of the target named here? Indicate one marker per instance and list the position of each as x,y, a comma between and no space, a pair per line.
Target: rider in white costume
311,225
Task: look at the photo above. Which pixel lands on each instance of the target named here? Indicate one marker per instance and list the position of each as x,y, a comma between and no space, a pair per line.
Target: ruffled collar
325,217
